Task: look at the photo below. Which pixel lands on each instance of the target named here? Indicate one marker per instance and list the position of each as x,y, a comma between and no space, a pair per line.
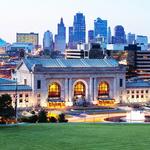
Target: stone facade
67,77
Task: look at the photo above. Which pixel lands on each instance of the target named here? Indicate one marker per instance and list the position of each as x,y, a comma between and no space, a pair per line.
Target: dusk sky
41,15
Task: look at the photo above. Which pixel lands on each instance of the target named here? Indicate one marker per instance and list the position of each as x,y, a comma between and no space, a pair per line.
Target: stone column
70,103
95,89
91,90
114,92
66,90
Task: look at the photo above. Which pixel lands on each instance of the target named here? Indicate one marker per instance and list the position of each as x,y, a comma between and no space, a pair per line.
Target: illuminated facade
67,82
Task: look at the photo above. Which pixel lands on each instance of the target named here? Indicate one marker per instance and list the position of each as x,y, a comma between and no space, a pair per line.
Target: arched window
79,89
103,89
54,90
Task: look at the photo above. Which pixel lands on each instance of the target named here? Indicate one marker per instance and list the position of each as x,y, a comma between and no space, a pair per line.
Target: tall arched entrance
79,93
103,89
54,90
54,96
79,89
104,96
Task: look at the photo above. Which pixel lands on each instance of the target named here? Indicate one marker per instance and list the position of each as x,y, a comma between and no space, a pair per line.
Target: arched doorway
79,94
79,89
54,91
103,89
54,96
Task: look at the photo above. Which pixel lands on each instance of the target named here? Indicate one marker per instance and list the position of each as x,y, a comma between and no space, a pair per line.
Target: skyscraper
100,28
70,43
109,37
142,41
79,29
120,36
48,42
131,38
90,35
60,38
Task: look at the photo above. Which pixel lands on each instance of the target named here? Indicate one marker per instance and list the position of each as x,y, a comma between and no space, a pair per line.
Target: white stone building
21,93
137,92
69,81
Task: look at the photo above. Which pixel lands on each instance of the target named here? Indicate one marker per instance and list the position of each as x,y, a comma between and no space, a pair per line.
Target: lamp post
16,113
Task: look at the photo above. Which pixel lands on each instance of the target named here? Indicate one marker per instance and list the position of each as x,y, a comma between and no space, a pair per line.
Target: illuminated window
79,89
54,90
103,89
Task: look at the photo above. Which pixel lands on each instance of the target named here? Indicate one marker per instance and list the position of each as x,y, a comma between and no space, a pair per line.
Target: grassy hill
76,137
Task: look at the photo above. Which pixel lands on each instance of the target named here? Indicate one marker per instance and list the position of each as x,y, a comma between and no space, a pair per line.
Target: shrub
42,116
52,120
61,118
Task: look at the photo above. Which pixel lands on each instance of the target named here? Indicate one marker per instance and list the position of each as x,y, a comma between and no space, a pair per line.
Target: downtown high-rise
70,43
109,36
131,38
119,36
100,28
60,37
48,42
90,36
79,29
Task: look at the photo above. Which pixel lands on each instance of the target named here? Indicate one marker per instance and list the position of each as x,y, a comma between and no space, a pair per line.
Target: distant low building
21,93
137,92
76,54
15,49
3,46
28,38
116,47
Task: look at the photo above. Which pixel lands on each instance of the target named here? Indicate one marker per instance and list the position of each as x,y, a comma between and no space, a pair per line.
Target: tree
6,109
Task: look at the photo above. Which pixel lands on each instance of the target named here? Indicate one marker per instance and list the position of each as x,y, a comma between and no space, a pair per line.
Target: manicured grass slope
76,137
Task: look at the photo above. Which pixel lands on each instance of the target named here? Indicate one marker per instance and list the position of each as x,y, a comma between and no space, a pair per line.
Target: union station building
67,82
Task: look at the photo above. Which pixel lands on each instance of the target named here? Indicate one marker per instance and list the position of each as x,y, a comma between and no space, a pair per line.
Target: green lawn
76,137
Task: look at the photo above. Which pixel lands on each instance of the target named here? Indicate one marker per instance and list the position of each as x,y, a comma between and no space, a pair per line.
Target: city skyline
39,16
